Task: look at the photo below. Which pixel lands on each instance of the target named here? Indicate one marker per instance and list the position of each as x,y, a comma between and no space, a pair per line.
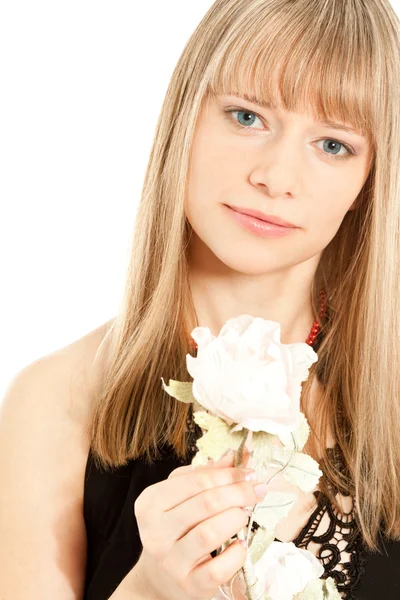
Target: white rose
285,570
247,377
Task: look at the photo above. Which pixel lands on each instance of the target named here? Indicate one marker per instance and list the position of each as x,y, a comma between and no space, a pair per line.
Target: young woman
285,107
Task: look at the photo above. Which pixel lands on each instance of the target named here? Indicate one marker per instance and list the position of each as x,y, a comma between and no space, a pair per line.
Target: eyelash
229,116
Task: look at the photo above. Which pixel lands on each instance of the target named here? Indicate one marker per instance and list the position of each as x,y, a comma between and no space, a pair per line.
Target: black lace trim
342,529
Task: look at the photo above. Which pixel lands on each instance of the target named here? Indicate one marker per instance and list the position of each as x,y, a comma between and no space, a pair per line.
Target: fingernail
261,489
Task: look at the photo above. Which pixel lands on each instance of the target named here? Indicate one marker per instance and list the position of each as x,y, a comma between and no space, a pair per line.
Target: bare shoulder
43,454
72,369
64,380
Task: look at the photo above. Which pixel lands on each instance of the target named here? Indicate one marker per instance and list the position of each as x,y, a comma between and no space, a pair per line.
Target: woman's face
280,163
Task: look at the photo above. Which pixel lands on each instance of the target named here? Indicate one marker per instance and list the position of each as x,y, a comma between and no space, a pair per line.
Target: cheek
211,175
327,213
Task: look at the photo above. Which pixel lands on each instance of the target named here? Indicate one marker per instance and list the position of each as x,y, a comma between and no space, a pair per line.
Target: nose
279,169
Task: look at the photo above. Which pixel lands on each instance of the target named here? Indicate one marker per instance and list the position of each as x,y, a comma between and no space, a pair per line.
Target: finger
201,507
200,541
226,460
193,482
215,571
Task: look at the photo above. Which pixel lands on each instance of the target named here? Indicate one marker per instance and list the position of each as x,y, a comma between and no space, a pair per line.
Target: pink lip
258,226
259,215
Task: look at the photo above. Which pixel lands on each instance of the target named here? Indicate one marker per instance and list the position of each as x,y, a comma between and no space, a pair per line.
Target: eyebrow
326,123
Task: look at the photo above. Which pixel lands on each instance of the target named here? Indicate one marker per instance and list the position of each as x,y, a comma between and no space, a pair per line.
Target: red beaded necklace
315,328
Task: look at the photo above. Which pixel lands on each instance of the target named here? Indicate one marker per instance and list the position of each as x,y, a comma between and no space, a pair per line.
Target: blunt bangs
325,69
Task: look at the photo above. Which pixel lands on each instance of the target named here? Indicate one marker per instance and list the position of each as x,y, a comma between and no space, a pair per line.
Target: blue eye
248,117
335,143
245,119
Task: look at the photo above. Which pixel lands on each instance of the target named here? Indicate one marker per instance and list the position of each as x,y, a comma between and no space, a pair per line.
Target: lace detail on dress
336,537
333,536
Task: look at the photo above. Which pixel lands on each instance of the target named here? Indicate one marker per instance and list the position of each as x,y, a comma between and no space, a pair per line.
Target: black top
114,544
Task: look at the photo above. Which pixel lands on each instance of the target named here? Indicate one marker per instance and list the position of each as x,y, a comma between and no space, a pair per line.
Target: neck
220,293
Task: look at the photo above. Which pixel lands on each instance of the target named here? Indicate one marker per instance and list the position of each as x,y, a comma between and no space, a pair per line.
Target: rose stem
248,570
239,452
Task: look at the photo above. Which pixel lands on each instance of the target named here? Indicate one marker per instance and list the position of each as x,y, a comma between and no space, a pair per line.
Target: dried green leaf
319,589
199,460
300,435
205,420
181,390
302,470
261,540
274,507
331,591
262,443
217,440
313,591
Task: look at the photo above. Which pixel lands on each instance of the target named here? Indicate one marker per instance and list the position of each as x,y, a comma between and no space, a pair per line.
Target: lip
259,215
259,227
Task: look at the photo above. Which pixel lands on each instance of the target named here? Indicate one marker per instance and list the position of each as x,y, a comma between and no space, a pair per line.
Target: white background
81,88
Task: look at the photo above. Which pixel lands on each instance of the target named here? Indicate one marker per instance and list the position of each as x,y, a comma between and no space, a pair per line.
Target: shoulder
43,453
60,383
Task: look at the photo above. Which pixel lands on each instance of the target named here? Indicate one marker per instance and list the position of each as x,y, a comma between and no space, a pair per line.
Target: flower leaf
181,390
300,434
319,589
302,470
262,452
274,507
331,591
199,460
261,540
217,440
205,420
314,590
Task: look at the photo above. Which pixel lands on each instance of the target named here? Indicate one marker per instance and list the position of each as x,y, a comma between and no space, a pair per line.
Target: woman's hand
182,519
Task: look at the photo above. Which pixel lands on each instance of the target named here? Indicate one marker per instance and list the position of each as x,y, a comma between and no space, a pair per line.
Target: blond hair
342,59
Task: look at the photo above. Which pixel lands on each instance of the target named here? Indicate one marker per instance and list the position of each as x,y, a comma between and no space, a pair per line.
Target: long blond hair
343,59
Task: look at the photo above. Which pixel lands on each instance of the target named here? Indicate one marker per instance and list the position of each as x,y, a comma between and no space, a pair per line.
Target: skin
282,163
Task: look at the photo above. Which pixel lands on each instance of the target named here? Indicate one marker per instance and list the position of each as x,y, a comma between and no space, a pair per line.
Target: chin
246,261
